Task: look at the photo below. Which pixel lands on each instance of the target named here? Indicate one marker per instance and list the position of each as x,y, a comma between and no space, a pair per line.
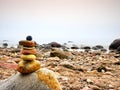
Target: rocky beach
59,44
86,69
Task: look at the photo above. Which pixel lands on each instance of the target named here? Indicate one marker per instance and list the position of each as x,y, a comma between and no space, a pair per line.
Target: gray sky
82,21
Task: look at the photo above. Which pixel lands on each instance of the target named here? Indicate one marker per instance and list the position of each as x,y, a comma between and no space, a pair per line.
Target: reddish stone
8,65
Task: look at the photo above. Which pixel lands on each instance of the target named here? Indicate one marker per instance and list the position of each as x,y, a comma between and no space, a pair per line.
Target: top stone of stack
29,38
28,42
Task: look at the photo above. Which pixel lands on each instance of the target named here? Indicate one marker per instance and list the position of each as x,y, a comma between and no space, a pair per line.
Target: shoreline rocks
85,70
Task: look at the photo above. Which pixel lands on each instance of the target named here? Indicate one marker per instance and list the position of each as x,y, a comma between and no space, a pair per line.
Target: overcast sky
83,21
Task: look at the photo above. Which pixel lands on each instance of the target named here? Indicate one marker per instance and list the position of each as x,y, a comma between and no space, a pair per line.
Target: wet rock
114,45
99,46
103,50
55,44
94,48
86,47
74,46
118,49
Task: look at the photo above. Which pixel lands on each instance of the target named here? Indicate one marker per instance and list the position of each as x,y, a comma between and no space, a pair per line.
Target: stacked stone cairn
29,63
43,78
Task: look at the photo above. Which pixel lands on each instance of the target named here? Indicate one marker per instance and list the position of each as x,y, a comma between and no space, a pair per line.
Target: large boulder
114,45
42,79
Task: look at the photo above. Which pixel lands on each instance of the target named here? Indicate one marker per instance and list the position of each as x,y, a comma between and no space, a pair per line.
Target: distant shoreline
14,44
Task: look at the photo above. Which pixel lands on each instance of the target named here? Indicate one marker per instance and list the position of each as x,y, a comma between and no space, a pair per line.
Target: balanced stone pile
30,75
29,63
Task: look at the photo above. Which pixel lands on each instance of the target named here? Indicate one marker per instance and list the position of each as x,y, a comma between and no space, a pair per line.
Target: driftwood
30,81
